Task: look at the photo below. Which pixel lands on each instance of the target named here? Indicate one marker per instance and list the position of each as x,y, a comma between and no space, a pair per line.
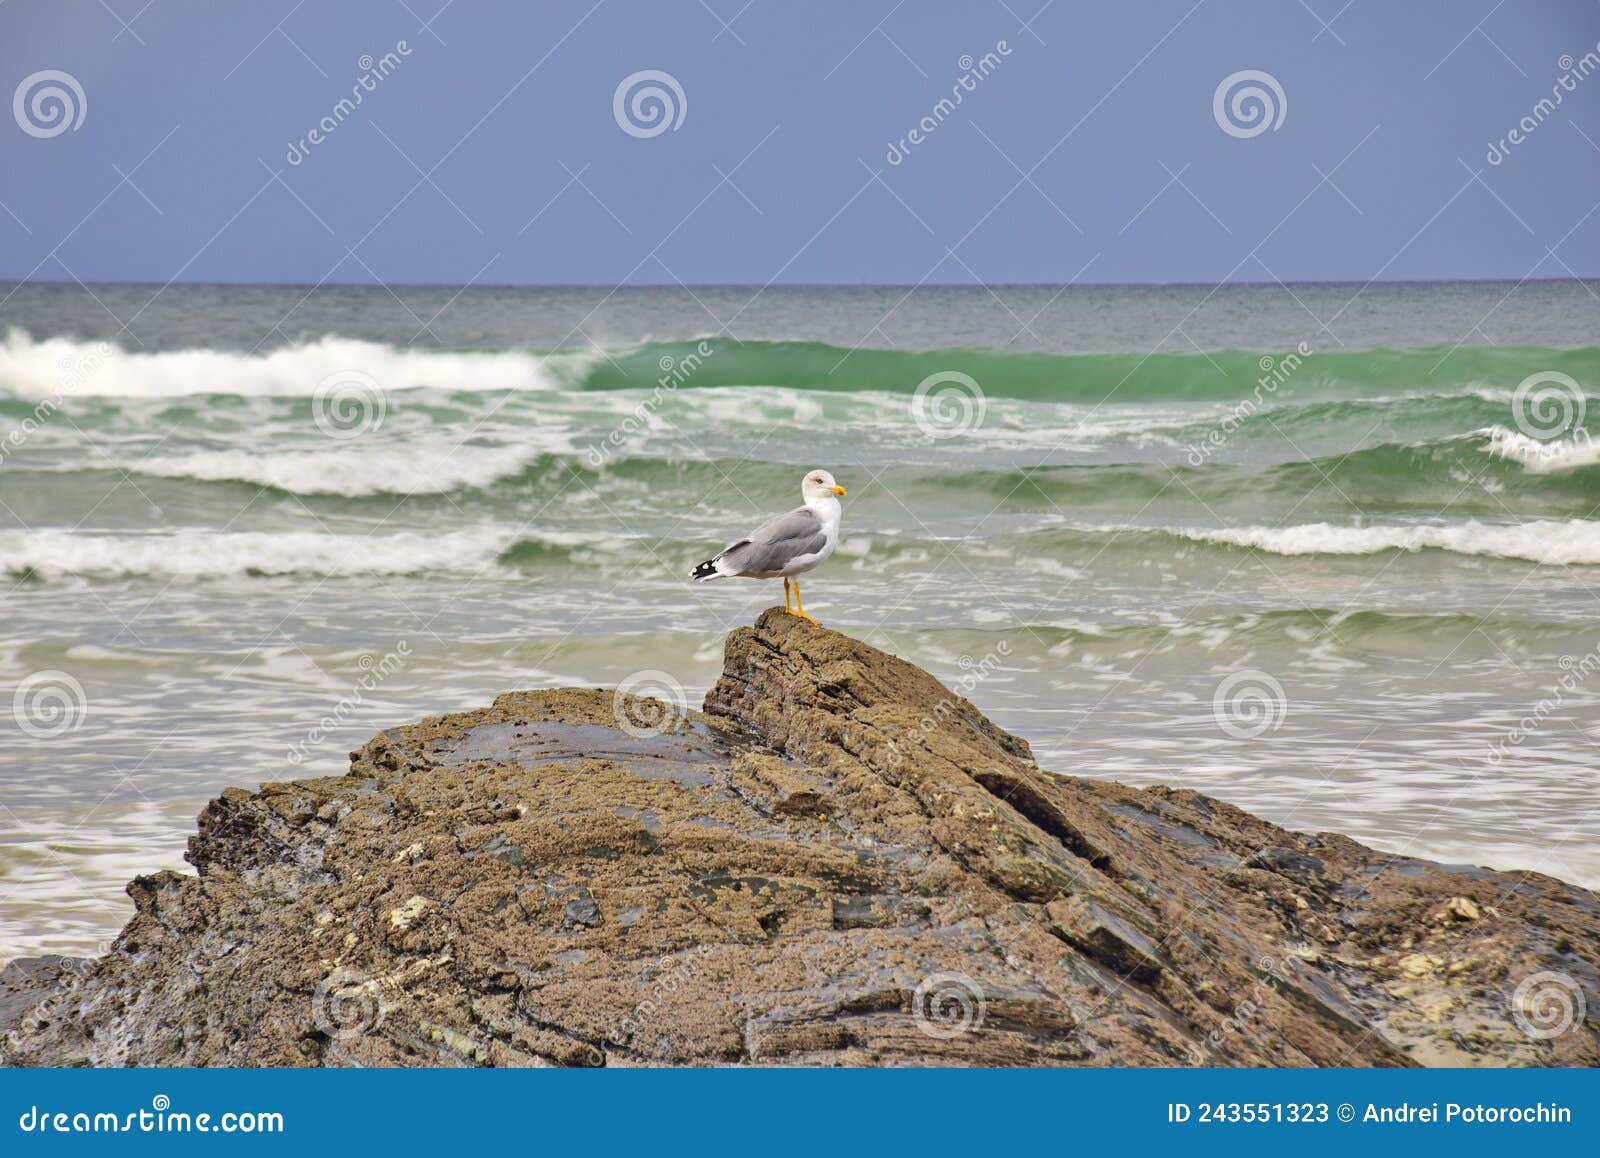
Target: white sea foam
194,553
62,366
361,468
1578,449
1551,541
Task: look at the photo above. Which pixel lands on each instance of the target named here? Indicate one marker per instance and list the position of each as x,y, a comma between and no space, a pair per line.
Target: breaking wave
55,366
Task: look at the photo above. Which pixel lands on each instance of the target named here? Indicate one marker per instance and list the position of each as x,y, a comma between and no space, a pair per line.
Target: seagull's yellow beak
838,490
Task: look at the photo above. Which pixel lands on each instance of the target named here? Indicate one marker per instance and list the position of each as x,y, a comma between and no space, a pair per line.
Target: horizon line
681,285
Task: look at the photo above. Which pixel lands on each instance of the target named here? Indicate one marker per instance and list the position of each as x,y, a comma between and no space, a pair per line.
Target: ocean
1326,552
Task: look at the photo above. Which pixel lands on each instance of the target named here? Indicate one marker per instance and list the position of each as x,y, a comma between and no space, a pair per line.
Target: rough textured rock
838,862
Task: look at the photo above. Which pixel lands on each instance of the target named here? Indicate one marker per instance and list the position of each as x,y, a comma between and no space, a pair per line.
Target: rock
579,906
25,980
406,915
501,849
838,862
1418,964
1300,867
1461,909
1108,938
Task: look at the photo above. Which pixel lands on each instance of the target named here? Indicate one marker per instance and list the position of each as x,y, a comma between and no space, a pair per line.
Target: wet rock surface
838,862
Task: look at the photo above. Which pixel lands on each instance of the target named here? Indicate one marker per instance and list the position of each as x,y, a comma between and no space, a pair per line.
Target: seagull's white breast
830,511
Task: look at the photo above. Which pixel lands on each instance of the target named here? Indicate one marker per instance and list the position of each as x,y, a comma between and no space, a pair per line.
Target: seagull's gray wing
776,543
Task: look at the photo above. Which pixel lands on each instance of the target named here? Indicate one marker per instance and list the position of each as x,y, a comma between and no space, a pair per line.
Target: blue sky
1090,150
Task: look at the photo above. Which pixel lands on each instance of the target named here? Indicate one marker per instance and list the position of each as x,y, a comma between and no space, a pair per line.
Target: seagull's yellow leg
799,608
786,605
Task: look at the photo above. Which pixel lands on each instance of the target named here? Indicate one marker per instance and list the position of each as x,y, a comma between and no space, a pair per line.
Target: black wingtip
704,570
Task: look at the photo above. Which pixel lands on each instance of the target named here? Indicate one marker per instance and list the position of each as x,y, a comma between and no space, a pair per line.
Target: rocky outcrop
838,862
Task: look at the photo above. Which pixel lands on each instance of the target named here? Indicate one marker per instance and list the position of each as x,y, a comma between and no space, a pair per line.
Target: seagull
786,545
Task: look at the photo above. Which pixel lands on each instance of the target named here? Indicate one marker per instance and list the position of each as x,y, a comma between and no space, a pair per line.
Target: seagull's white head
818,487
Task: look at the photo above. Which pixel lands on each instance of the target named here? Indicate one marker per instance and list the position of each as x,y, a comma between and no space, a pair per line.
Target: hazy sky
1091,148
